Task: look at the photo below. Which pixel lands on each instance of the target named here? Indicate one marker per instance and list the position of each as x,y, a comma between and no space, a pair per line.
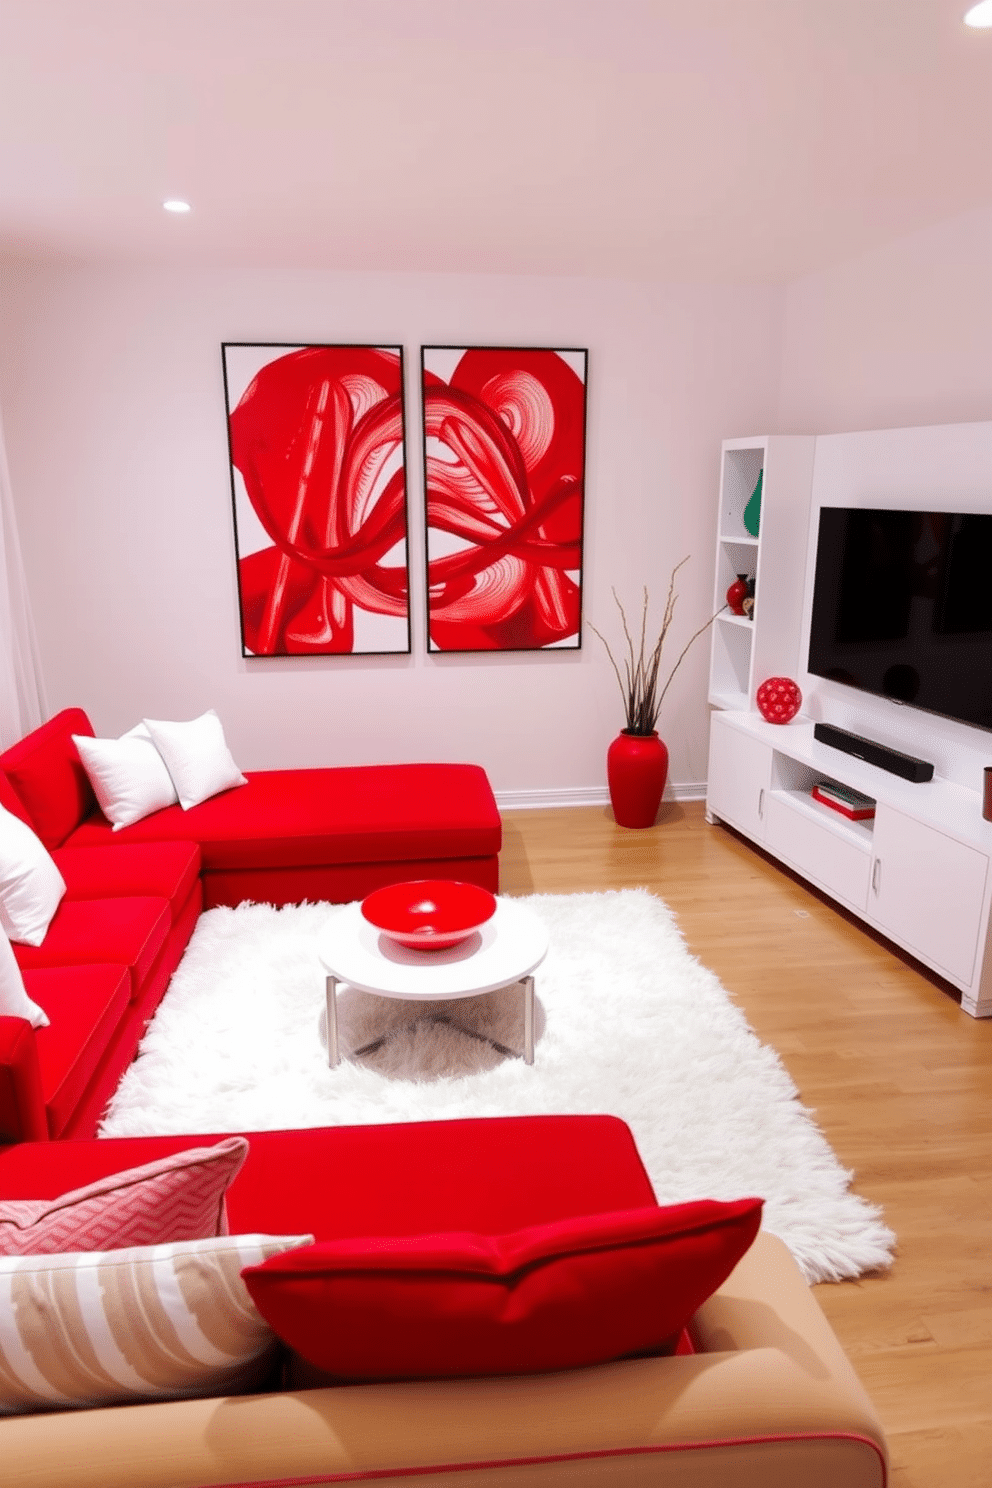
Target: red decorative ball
778,699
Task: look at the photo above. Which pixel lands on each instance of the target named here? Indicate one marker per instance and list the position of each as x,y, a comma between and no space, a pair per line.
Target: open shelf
730,702
793,779
745,649
734,559
741,469
730,670
859,833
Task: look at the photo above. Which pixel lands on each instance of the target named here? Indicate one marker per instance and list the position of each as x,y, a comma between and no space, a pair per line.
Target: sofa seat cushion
85,1007
47,774
122,932
481,1173
300,818
485,1173
578,1291
160,870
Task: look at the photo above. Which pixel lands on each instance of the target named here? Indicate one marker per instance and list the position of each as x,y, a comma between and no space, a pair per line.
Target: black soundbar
874,754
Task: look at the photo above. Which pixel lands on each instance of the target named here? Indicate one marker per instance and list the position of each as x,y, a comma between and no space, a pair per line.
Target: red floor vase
636,769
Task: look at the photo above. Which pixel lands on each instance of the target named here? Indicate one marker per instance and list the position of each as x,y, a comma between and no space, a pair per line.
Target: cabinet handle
761,804
876,876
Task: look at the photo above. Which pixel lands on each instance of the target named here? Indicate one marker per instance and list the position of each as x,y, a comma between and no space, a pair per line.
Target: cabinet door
822,851
739,777
928,891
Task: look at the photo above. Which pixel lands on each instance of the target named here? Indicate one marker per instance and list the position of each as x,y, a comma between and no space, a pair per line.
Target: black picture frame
318,483
504,441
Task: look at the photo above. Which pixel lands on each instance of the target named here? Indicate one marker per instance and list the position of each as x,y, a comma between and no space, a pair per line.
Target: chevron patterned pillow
175,1198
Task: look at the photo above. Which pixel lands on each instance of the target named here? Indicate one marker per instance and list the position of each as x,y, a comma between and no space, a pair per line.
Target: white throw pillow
165,1321
31,887
196,756
128,775
14,1000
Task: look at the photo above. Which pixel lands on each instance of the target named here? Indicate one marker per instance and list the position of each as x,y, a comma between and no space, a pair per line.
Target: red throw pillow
578,1291
53,785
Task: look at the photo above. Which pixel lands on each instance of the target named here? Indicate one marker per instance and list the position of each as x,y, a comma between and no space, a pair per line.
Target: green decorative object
752,512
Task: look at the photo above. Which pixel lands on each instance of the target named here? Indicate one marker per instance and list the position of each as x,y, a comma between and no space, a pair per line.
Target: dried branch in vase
640,680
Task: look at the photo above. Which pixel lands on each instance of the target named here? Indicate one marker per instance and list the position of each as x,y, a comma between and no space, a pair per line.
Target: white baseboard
586,795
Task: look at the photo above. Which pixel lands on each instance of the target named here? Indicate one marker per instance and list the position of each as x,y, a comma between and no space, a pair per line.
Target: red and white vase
636,771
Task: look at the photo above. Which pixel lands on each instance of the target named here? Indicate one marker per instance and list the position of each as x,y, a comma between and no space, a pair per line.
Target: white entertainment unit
920,870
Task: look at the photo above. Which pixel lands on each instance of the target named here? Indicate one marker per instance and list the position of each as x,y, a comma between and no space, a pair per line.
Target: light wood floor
899,1077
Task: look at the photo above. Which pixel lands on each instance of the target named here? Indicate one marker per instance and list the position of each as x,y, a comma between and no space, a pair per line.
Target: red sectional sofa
762,1394
133,896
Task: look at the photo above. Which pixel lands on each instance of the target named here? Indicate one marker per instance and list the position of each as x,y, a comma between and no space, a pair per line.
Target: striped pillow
179,1197
151,1322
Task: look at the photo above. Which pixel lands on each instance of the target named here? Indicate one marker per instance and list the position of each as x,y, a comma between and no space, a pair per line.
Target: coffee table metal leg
333,1057
528,1020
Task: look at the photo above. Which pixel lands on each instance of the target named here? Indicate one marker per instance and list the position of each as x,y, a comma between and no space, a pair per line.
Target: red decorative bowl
429,914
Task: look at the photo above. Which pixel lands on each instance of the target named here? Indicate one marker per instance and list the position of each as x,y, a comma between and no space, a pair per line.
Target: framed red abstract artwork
504,470
318,481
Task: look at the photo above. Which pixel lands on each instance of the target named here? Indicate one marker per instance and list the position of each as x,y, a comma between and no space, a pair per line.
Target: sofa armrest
22,1107
766,1316
778,1404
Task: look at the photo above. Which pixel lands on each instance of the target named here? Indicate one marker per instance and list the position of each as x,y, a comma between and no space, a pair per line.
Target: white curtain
22,697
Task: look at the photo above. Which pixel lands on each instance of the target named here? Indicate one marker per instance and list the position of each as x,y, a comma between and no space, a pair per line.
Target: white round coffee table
507,949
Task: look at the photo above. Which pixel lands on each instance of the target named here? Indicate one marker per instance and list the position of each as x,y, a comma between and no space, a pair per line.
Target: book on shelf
849,803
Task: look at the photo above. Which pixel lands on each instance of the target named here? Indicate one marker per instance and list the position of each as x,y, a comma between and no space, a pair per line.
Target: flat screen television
902,607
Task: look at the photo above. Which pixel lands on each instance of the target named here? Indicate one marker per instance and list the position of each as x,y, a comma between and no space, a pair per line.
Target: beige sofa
768,1399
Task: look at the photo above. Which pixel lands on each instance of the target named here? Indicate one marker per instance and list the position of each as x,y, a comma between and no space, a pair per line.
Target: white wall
112,399
901,336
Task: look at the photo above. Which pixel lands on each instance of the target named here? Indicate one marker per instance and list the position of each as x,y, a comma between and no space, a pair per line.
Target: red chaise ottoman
334,834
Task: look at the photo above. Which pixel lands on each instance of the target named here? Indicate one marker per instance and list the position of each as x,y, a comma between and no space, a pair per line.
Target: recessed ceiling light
980,14
175,205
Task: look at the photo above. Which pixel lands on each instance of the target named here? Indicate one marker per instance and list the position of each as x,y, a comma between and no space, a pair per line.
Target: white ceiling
719,139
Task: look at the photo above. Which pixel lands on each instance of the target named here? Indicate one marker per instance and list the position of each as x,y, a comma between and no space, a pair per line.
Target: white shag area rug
628,1023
